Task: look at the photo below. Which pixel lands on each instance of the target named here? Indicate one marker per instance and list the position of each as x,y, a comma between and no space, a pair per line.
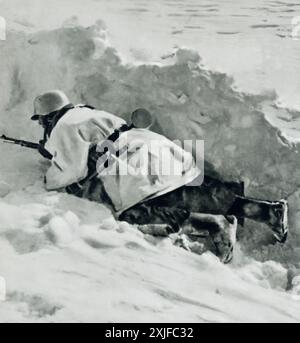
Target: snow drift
89,263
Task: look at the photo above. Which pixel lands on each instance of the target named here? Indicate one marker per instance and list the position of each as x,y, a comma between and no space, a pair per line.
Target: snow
4,189
68,259
63,266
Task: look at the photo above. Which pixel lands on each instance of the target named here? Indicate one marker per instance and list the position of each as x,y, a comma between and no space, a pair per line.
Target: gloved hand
45,153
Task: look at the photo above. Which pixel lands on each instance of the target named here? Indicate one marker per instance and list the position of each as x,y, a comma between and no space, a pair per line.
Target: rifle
25,144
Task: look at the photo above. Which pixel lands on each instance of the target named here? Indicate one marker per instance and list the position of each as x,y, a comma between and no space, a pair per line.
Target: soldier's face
41,121
45,121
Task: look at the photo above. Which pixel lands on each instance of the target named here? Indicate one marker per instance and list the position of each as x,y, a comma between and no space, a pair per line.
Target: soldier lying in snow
71,140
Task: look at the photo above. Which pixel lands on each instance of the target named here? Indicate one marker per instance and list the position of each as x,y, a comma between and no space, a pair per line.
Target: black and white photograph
150,164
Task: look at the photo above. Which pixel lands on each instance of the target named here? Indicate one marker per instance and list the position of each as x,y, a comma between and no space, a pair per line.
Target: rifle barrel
25,144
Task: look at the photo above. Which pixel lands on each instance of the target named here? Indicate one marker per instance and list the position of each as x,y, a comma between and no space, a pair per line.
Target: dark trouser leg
221,229
212,197
227,198
217,197
143,214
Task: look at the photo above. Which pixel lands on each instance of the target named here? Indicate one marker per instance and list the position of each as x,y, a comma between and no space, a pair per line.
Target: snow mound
60,267
60,255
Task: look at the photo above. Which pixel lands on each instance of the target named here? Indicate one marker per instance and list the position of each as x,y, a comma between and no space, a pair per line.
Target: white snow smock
152,166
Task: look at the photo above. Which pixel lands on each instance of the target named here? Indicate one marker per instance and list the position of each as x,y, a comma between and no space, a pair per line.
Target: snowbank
65,259
59,267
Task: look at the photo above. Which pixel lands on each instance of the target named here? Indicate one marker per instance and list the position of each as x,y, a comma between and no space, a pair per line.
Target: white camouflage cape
148,167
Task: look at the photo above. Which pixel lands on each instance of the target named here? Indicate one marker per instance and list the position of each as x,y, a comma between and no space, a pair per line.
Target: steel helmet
49,102
142,119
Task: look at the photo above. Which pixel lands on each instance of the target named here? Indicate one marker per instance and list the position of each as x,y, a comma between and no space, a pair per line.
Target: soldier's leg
217,197
221,198
213,196
162,221
221,229
272,213
145,214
